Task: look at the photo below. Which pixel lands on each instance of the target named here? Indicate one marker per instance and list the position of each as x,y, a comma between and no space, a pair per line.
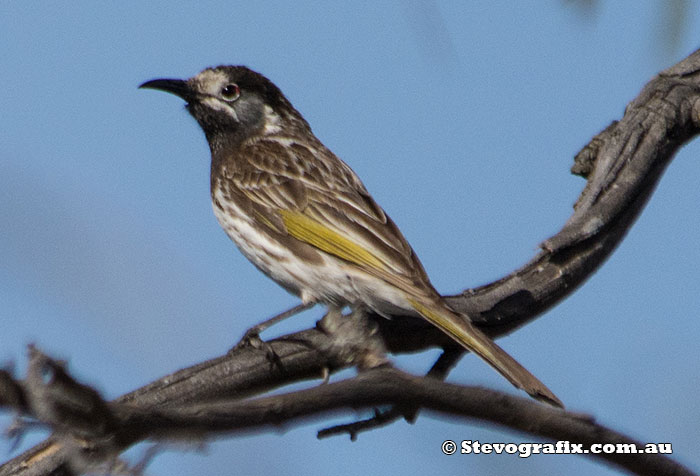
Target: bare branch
82,429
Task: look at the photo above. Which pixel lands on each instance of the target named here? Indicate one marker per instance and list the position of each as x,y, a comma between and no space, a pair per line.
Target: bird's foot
252,339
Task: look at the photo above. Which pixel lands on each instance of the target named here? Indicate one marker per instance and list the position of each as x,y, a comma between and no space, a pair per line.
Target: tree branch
93,432
623,165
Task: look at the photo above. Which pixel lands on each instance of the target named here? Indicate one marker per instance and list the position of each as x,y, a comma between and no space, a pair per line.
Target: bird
304,218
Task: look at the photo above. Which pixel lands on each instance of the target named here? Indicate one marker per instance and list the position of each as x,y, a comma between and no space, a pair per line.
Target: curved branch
93,432
385,386
622,164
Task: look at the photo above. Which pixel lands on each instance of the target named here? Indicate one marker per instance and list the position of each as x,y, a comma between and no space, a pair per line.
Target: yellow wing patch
314,233
461,332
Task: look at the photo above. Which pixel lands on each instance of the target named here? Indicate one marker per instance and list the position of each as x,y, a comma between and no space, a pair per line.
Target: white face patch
272,121
209,82
219,105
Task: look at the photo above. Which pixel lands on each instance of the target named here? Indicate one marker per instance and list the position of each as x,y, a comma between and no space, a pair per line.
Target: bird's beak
177,87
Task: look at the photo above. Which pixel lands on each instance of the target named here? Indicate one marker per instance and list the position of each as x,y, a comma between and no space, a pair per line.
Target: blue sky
462,118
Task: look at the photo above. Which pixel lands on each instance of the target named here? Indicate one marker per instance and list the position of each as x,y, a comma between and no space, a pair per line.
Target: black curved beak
177,87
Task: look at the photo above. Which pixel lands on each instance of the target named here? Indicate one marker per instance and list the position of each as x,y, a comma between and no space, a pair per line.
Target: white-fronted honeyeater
305,219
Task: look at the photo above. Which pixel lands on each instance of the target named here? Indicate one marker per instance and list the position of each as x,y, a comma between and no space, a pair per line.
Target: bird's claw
252,339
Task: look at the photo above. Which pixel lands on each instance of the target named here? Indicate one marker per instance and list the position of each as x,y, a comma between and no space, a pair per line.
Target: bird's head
233,103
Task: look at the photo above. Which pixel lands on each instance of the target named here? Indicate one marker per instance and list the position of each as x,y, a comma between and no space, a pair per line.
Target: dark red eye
230,92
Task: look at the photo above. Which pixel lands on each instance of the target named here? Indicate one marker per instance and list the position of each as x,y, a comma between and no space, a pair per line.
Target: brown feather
276,176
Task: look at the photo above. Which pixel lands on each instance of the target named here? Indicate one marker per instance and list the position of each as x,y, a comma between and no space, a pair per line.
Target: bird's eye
230,92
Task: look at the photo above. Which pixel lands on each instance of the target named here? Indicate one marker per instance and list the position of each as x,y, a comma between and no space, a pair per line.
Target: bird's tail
472,339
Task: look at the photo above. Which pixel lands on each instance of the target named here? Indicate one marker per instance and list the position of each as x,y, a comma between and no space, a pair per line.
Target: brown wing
280,174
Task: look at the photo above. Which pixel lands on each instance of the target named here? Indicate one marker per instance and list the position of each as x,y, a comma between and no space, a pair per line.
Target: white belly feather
333,281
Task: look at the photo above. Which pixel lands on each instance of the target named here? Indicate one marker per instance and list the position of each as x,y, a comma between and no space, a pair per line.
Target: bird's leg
252,335
354,338
332,320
